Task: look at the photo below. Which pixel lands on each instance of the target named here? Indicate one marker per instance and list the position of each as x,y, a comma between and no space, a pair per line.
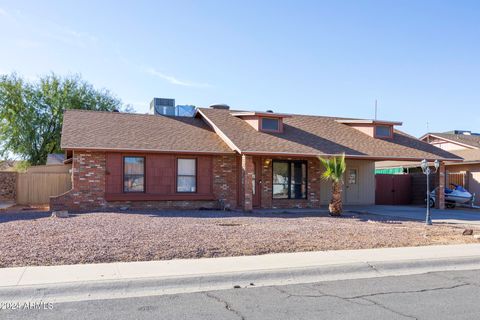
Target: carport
403,183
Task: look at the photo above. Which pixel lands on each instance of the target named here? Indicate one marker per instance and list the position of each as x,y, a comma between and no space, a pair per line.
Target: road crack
226,304
367,297
373,267
378,304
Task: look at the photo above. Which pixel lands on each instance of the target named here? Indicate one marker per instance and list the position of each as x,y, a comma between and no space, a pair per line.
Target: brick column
440,196
246,185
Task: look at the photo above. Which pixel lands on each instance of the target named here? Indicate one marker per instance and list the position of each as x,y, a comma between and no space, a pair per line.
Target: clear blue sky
420,59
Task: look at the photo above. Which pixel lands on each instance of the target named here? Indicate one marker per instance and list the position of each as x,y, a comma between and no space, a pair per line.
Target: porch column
440,195
247,178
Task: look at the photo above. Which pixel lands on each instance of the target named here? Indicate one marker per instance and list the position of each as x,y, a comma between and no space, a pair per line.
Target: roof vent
220,106
464,132
270,111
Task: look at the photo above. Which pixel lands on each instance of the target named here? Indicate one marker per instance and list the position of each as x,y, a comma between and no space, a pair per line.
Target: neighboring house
55,158
224,159
463,144
8,165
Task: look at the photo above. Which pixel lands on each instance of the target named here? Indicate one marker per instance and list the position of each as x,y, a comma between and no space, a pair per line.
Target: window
270,124
133,174
352,176
186,175
383,131
289,180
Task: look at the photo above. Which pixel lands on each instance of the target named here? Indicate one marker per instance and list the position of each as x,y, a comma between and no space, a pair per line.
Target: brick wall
8,185
89,185
246,182
225,180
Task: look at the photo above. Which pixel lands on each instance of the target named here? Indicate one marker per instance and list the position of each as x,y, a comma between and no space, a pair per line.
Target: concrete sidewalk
142,279
42,275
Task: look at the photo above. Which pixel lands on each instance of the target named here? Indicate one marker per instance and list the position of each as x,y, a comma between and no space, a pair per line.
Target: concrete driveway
455,216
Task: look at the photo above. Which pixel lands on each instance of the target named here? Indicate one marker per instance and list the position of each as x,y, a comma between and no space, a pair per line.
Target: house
461,143
222,158
55,159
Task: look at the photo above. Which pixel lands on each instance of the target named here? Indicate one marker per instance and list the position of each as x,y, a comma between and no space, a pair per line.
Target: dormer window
379,129
383,131
263,121
270,124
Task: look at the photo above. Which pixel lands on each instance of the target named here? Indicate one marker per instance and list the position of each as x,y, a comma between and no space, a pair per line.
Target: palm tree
334,170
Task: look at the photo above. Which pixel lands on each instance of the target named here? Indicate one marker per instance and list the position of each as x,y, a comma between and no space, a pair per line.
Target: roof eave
368,121
137,150
347,156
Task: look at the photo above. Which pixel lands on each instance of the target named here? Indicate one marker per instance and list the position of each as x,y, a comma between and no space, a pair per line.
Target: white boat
454,196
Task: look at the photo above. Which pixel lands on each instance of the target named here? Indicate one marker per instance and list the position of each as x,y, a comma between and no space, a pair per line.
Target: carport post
440,196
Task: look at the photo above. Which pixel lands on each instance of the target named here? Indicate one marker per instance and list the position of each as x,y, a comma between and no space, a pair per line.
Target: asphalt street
438,295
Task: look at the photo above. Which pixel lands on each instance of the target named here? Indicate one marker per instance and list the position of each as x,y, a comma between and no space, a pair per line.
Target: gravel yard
34,238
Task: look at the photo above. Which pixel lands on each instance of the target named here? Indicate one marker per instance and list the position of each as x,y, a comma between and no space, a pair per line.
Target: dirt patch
34,238
18,208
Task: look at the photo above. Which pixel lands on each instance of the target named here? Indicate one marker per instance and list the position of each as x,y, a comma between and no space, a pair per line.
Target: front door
352,195
256,183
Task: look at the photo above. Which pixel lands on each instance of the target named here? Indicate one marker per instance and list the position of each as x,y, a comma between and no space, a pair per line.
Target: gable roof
468,140
98,130
315,135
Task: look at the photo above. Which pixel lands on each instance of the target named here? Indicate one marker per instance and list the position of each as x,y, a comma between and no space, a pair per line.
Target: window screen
134,174
186,175
270,124
383,131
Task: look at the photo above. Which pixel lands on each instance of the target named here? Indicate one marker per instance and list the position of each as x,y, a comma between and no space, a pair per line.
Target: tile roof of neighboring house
470,140
55,158
96,130
316,135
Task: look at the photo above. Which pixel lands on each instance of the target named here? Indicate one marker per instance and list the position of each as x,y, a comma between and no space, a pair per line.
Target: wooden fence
458,178
39,183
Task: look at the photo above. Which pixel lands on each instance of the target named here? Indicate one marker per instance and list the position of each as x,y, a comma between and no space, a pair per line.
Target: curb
128,288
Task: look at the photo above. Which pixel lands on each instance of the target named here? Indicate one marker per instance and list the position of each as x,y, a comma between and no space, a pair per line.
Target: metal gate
393,189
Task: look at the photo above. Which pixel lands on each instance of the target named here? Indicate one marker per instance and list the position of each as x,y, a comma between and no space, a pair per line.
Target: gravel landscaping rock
30,238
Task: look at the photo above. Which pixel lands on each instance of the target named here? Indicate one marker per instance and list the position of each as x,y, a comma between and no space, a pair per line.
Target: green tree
334,170
31,113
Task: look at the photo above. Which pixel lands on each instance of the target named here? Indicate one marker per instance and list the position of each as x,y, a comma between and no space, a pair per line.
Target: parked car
454,196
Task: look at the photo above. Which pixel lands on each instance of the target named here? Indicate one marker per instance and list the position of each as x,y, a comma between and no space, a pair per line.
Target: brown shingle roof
316,135
470,140
468,155
127,131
